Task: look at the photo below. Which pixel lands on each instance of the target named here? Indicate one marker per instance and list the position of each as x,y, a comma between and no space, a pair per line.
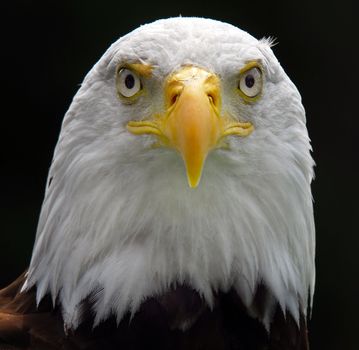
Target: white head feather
119,220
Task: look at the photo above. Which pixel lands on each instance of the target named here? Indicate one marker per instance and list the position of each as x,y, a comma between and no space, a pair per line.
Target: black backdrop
48,46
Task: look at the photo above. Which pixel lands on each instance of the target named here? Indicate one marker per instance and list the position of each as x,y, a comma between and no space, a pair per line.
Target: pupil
250,80
130,81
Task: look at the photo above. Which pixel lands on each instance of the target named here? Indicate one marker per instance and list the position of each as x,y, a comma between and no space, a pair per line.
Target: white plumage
119,220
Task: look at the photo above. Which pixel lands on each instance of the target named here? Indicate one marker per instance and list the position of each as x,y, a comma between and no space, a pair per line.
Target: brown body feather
179,319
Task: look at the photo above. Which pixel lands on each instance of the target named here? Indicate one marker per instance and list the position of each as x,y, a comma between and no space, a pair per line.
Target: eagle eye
128,83
250,82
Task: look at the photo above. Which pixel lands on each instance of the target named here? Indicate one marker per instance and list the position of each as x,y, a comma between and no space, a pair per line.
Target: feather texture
177,320
119,224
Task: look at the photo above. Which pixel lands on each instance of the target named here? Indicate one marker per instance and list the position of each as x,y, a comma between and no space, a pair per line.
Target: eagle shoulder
178,319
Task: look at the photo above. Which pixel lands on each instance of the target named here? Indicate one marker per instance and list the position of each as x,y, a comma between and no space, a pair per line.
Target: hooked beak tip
192,182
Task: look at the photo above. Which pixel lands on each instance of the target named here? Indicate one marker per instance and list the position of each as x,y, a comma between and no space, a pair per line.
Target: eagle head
183,158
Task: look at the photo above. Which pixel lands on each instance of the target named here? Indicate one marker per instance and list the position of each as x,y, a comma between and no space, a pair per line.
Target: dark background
48,47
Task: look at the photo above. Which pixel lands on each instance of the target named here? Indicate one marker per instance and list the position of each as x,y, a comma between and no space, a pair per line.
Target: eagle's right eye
128,83
251,82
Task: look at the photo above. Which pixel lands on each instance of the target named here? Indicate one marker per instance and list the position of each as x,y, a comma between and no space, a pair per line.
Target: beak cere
192,123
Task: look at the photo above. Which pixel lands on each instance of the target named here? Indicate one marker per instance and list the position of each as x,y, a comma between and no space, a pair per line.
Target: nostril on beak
174,99
212,99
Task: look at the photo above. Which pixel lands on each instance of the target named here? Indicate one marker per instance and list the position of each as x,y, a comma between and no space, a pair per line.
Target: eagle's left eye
128,83
250,82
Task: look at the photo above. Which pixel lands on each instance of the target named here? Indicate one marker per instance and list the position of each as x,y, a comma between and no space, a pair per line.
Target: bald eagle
178,210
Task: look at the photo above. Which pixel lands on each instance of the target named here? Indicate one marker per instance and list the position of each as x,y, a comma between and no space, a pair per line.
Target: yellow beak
192,126
192,123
